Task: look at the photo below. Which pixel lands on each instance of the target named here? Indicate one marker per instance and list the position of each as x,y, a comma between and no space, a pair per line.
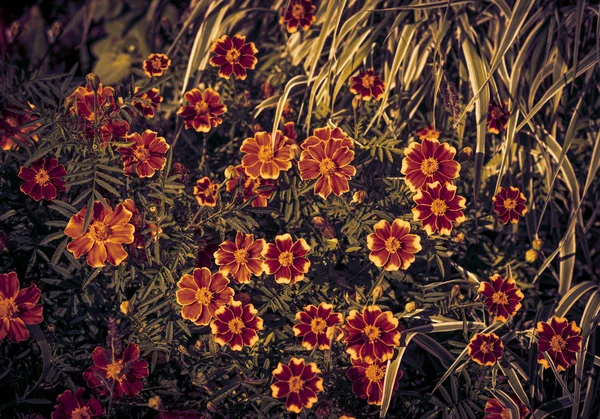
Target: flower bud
182,171
377,292
199,345
356,102
331,244
54,31
359,197
465,154
257,128
93,81
459,238
538,244
531,255
243,298
126,308
296,151
324,227
410,307
230,172
455,292
13,31
154,403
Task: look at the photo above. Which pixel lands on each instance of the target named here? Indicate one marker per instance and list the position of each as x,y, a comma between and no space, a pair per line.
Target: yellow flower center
500,298
201,107
232,56
204,296
327,167
241,256
236,325
486,347
100,231
81,413
392,245
510,204
156,64
438,207
297,11
286,258
368,81
318,325
429,166
557,343
296,384
42,178
141,153
371,332
114,371
8,308
374,373
265,153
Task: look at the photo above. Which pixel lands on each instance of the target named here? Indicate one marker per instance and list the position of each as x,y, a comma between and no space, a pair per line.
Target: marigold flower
318,326
242,258
359,197
233,56
151,101
201,294
438,207
122,376
103,240
147,154
286,259
43,179
290,133
203,110
92,105
393,248
485,348
324,134
299,14
372,335
156,65
258,189
329,162
428,133
236,325
367,85
298,383
509,205
262,158
494,409
502,297
497,117
428,162
18,307
73,406
12,127
206,192
561,340
367,380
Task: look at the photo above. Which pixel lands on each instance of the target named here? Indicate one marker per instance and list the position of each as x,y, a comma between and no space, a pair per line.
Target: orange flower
324,134
11,128
485,348
18,307
201,294
242,258
428,133
103,240
43,179
318,326
429,162
147,154
497,118
156,65
367,85
299,13
509,205
236,325
438,207
206,192
393,248
233,56
502,297
151,101
286,259
298,383
257,189
561,340
372,335
329,161
262,158
203,110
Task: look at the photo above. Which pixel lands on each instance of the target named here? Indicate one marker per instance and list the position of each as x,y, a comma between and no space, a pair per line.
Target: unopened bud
54,32
243,298
13,31
296,151
331,244
199,345
93,81
377,292
230,172
154,403
459,238
356,102
126,308
465,154
531,255
257,127
455,292
538,244
410,307
359,197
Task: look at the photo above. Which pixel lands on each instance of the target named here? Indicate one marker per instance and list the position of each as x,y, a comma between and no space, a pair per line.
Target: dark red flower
156,65
236,325
258,189
146,155
206,250
367,85
561,340
372,335
429,162
233,56
202,110
299,13
286,259
298,383
151,101
241,258
73,406
92,106
438,207
12,127
367,380
509,205
497,117
18,307
43,179
485,348
496,410
502,297
206,192
318,326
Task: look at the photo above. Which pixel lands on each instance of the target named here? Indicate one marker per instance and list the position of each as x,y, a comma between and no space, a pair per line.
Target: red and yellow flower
329,162
502,297
318,326
18,307
371,335
202,110
324,134
242,258
393,248
497,117
201,294
147,154
73,406
286,259
121,375
494,409
206,192
367,85
298,14
509,205
103,240
428,133
236,325
43,179
298,382
92,106
149,103
234,56
438,207
12,127
156,65
429,162
485,348
258,189
367,380
264,159
561,340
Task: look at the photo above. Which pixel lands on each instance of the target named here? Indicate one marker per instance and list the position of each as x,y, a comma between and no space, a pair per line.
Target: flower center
42,178
372,332
142,154
510,204
114,371
12,122
286,258
204,296
296,384
486,347
81,413
438,207
557,343
236,325
241,256
327,167
429,166
232,56
297,11
392,245
368,81
8,308
497,113
156,64
318,325
374,373
201,107
265,153
500,298
100,231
